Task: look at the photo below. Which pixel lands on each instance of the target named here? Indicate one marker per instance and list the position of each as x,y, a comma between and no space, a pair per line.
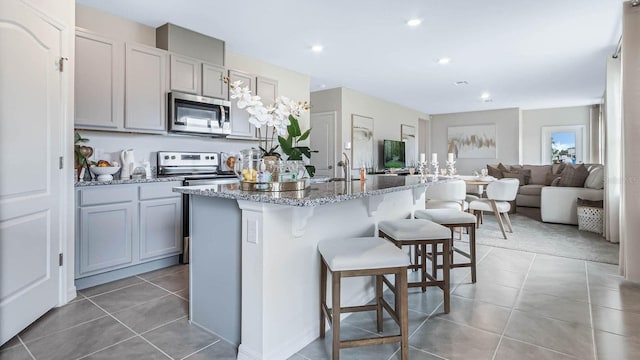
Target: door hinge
61,63
61,164
60,259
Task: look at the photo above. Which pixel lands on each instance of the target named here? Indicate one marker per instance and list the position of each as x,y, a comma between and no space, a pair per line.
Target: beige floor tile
478,314
512,349
488,292
554,307
616,347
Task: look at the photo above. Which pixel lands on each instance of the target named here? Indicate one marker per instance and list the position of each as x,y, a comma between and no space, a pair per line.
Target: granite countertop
316,194
127,181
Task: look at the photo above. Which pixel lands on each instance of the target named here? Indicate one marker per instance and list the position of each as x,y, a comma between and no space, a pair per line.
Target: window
563,147
563,143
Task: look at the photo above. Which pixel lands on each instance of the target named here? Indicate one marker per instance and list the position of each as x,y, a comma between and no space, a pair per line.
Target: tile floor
524,306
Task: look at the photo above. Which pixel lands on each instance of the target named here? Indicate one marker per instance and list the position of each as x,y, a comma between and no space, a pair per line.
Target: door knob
330,167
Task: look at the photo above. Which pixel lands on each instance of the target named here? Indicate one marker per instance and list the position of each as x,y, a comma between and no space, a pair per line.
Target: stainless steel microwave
198,115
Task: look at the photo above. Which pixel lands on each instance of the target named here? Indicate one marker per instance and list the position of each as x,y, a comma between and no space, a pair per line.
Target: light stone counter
127,181
317,194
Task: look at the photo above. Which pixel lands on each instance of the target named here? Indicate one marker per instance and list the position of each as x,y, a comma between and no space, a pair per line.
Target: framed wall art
361,141
472,141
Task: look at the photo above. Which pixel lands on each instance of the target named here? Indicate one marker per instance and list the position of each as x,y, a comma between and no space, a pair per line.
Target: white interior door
323,139
30,122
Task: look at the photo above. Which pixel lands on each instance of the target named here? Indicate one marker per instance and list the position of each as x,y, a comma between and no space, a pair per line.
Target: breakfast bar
254,261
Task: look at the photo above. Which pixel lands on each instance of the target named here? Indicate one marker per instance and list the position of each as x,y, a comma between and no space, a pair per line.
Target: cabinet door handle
330,167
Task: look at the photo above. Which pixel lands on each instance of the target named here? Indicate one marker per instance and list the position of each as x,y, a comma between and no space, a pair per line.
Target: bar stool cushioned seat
367,256
420,234
454,219
361,253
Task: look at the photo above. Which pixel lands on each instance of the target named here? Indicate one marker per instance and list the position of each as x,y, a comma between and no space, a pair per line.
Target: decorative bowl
104,173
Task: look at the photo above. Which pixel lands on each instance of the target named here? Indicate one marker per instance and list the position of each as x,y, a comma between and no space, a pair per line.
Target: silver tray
275,186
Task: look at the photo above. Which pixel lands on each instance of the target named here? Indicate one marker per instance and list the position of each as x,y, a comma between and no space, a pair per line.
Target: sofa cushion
538,173
523,171
494,171
531,189
513,175
595,180
574,176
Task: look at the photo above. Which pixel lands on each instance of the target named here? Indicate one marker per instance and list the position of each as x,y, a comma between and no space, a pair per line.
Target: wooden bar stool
454,219
422,233
367,256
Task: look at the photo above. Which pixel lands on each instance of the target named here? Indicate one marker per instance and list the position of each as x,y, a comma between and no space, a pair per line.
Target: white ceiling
527,54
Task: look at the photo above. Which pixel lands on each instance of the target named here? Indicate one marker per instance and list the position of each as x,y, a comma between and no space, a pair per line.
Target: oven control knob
173,158
206,157
166,157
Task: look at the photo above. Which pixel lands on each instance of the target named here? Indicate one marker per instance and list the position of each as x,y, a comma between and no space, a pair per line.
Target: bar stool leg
323,296
423,253
379,301
335,313
401,286
446,247
472,252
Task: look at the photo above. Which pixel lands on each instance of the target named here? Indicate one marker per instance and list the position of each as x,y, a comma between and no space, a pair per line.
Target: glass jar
249,165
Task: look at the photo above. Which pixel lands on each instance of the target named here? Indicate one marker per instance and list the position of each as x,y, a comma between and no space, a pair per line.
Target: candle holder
451,168
422,166
435,170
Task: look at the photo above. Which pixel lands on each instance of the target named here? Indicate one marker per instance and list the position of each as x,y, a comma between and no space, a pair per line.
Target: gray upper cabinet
240,125
213,84
99,82
185,74
146,88
267,89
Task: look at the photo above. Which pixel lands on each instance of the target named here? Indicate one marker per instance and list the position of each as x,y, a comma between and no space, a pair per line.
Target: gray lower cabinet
160,233
106,237
119,226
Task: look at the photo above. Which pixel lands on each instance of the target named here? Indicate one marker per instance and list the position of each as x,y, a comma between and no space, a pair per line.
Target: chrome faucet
345,167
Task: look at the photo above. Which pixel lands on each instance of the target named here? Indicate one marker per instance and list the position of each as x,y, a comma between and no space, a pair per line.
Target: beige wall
387,117
114,27
507,123
534,120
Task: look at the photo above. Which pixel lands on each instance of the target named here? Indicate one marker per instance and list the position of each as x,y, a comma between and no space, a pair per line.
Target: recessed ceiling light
444,61
316,48
414,22
461,83
485,96
322,86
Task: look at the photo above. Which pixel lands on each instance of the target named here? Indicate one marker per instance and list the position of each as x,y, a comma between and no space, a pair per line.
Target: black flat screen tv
393,154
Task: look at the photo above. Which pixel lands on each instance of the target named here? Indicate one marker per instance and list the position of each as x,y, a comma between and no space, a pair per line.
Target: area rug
544,238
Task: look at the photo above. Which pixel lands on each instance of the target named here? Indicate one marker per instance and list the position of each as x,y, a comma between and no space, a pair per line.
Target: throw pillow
512,175
555,181
573,176
558,168
502,167
495,172
550,177
595,180
525,172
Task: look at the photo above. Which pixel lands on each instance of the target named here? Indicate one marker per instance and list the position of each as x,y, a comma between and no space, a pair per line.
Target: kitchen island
254,260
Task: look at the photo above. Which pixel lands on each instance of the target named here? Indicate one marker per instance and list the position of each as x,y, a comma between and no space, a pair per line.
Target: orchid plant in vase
280,117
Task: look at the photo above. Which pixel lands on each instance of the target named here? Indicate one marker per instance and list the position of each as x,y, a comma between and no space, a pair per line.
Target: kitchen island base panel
215,253
279,265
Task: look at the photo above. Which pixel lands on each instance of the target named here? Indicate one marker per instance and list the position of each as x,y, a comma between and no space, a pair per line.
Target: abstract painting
473,141
361,141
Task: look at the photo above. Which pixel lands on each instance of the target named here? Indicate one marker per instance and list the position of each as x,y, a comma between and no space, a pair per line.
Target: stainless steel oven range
197,168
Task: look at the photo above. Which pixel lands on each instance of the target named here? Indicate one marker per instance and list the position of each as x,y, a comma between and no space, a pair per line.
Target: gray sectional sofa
554,188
